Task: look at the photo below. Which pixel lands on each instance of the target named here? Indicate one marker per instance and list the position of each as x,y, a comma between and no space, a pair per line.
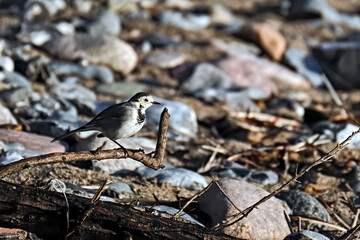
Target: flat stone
31,141
166,60
121,89
6,117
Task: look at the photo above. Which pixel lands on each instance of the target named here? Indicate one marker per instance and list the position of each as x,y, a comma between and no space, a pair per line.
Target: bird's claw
140,150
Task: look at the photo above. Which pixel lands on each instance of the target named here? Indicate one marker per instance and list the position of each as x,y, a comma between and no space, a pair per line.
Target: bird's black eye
146,100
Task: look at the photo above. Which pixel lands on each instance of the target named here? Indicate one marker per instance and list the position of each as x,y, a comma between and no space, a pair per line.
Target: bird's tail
80,129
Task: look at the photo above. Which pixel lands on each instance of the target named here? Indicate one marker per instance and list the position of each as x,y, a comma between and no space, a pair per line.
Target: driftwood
44,213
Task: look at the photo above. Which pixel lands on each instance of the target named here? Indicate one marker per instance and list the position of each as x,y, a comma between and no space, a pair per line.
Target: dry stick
235,218
146,159
192,199
311,220
288,221
337,217
351,232
228,198
356,218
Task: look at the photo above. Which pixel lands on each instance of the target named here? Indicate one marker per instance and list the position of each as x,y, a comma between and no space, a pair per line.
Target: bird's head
144,100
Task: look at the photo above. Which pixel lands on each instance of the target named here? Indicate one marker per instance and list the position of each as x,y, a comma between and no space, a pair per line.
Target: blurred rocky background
244,82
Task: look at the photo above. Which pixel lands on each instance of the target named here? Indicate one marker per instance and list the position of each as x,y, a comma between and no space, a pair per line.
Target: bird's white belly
127,130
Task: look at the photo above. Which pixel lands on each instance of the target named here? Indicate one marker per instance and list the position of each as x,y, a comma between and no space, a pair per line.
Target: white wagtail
118,121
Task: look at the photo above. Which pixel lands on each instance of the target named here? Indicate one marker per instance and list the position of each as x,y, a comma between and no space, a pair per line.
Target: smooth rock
117,190
239,172
6,117
166,60
121,89
177,177
189,21
107,50
183,122
269,38
106,23
303,204
305,65
243,68
221,15
267,221
346,132
14,80
31,141
65,68
73,92
40,9
160,40
306,235
6,63
15,96
205,76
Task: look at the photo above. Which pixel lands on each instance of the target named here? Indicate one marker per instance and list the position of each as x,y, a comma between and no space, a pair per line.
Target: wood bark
44,213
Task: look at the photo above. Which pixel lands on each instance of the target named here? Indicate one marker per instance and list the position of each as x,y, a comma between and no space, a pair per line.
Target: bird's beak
157,103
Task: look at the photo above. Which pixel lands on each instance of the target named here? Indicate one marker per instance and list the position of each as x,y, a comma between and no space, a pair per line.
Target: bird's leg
124,149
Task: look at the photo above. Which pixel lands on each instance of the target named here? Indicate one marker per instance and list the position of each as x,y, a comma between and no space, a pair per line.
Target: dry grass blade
311,220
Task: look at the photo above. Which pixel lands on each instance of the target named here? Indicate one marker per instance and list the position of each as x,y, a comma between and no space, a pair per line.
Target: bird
118,121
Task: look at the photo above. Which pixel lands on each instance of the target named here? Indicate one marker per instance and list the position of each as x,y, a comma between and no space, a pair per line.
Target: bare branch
146,159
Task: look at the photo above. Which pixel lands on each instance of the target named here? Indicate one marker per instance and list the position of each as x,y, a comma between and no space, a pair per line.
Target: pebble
189,21
65,68
237,171
177,177
267,221
306,235
6,117
121,89
303,204
14,80
117,190
166,60
305,65
221,15
15,96
269,38
183,122
106,23
161,41
205,76
73,91
6,63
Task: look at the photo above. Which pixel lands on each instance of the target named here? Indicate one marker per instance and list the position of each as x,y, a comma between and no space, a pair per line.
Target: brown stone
31,141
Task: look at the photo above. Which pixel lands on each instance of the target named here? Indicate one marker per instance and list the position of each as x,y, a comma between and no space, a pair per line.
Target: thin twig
356,218
288,221
351,232
228,198
235,218
315,221
338,218
146,159
192,199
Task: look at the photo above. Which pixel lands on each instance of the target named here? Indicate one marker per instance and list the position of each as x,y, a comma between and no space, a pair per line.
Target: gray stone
183,123
117,190
206,76
177,177
306,234
15,96
7,63
305,65
121,89
52,127
106,23
303,204
65,68
189,21
73,92
166,60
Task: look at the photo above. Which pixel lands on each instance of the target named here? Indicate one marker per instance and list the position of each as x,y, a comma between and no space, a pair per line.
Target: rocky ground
243,82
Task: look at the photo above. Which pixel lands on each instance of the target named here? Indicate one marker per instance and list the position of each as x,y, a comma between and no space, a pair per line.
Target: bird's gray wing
118,112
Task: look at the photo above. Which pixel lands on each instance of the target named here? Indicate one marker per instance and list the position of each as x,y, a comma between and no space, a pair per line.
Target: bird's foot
152,154
140,150
97,151
125,152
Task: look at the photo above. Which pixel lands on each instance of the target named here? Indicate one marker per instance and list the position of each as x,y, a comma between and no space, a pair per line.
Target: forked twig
146,159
